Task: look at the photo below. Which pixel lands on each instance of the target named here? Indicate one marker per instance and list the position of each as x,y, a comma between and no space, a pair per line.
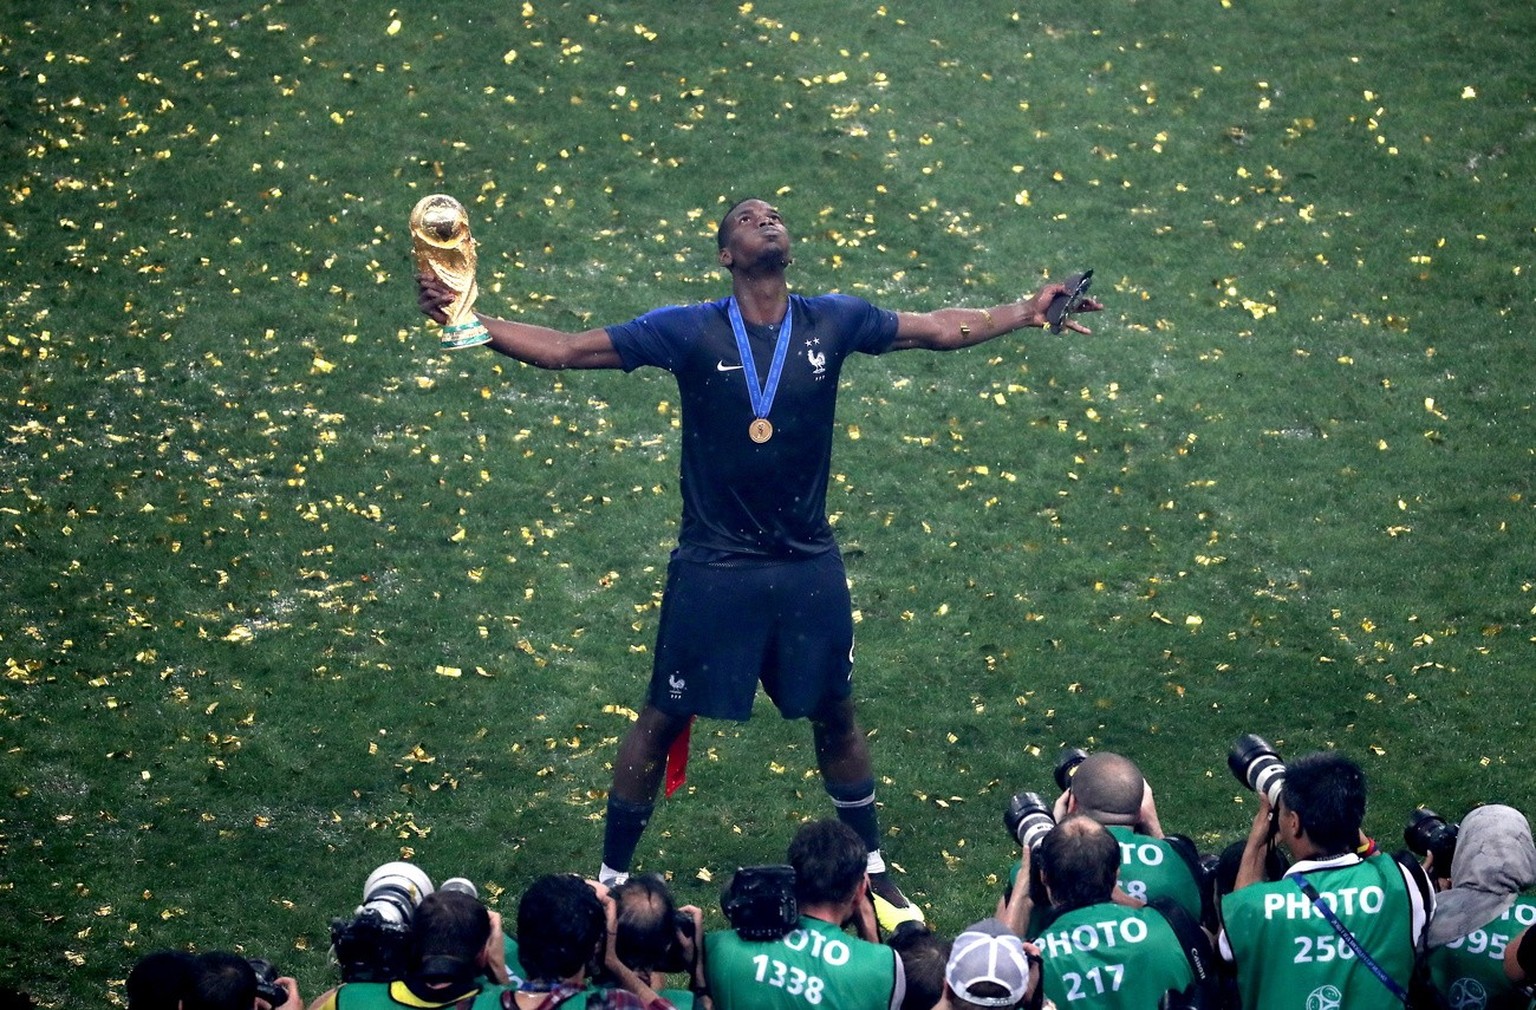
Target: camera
1258,766
266,982
1066,766
374,945
1429,834
760,902
461,884
675,958
1028,819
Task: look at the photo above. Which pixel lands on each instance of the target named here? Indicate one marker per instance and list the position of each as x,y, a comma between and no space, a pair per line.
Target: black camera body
676,958
375,945
1028,819
1429,834
1257,765
370,948
266,982
760,902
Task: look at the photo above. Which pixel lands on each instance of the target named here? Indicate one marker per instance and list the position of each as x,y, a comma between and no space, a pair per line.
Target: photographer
175,980
924,956
1341,907
160,980
1111,790
565,926
990,968
656,938
456,959
1101,952
1494,860
814,962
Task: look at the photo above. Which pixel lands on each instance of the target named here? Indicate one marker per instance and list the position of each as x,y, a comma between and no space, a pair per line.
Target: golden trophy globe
444,248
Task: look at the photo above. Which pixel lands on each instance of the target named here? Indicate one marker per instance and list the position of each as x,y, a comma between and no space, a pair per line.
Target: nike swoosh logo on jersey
721,366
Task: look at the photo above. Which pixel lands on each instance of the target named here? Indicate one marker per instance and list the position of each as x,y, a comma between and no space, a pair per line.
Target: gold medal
760,430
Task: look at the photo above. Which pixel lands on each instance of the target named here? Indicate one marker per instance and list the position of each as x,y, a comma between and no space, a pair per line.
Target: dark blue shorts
727,625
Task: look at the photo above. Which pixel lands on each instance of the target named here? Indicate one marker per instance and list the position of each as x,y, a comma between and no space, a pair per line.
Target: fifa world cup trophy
444,248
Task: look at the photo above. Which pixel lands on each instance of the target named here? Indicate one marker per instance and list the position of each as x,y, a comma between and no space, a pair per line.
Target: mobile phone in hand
1062,306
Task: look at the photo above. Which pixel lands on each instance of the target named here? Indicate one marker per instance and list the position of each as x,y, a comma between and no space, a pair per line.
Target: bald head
1108,788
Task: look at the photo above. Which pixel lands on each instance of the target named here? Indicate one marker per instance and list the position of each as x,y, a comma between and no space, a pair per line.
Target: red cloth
677,760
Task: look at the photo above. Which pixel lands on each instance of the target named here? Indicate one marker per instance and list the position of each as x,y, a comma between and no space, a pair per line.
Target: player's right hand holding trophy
444,249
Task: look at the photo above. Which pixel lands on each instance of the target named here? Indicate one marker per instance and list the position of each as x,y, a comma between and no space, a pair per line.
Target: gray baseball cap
988,952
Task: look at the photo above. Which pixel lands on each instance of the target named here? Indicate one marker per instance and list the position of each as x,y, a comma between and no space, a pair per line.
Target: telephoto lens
374,945
1429,834
1028,819
1066,766
1258,766
462,884
394,890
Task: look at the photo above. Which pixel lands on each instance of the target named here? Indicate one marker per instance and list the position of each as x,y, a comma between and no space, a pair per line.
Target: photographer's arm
496,952
864,922
1251,869
539,346
289,986
1520,957
1148,823
1015,914
692,943
325,1001
1062,808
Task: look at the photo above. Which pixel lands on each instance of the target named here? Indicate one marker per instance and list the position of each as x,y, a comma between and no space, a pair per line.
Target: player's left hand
1037,303
433,297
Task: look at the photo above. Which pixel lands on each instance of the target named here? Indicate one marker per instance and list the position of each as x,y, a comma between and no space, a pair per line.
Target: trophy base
467,334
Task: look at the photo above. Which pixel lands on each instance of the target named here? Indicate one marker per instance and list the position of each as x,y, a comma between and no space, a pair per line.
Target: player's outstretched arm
537,345
951,329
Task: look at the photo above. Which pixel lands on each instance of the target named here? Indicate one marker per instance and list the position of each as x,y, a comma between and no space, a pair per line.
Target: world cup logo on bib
1467,994
1325,997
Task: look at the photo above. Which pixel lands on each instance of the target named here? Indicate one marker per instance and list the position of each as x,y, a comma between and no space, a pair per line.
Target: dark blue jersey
741,497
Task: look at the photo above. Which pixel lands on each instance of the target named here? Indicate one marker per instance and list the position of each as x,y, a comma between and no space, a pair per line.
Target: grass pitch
290,592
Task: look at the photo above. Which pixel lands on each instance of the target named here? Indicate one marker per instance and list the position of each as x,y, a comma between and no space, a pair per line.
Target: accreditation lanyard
761,394
1349,938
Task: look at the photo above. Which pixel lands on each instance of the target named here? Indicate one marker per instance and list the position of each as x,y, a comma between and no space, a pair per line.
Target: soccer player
756,589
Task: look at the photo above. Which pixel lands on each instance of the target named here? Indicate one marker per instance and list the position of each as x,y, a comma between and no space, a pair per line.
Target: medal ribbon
761,395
